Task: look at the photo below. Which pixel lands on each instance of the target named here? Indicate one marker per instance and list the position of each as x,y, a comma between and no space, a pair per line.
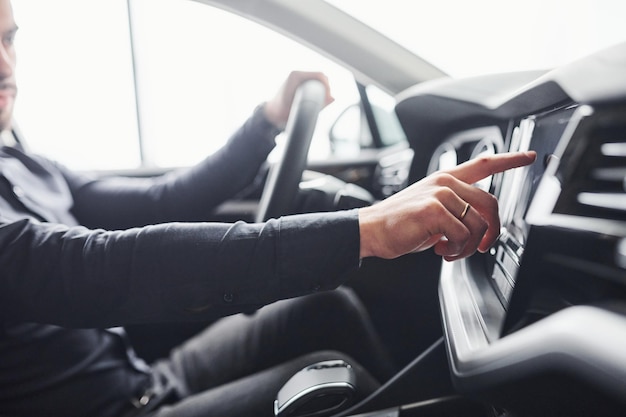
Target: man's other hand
277,109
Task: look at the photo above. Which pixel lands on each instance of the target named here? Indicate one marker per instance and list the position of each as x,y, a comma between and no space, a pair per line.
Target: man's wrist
263,124
365,233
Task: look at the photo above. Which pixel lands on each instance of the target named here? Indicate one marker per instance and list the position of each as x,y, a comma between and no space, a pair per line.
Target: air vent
466,145
595,184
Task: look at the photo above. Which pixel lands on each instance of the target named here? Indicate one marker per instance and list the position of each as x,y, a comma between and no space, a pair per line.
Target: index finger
476,169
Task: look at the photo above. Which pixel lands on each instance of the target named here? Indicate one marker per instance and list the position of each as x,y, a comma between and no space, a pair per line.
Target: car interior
536,326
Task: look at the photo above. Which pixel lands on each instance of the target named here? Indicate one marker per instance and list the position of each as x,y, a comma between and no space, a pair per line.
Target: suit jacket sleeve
183,195
78,277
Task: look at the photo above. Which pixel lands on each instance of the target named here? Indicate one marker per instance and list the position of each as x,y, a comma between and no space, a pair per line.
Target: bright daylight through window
194,88
467,38
200,76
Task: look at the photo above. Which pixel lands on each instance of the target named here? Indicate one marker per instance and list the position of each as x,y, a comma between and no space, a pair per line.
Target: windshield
465,38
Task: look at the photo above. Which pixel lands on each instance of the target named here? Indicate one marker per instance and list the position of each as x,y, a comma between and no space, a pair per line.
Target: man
79,255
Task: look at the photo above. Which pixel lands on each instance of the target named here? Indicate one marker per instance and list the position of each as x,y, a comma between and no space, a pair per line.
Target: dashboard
537,325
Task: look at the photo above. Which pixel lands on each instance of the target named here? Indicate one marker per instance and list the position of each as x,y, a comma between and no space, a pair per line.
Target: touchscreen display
516,190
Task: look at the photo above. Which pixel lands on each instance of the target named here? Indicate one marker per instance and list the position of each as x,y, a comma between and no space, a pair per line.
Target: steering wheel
281,186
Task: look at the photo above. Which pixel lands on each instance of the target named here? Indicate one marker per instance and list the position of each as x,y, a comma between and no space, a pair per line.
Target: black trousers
237,365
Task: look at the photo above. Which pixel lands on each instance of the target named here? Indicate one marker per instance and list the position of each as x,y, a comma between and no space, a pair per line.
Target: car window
387,123
351,133
200,71
76,96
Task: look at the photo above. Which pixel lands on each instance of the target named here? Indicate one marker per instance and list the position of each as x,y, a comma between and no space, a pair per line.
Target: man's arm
78,277
190,194
183,195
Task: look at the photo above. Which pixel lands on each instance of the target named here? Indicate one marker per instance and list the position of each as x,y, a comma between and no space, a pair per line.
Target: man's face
8,88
